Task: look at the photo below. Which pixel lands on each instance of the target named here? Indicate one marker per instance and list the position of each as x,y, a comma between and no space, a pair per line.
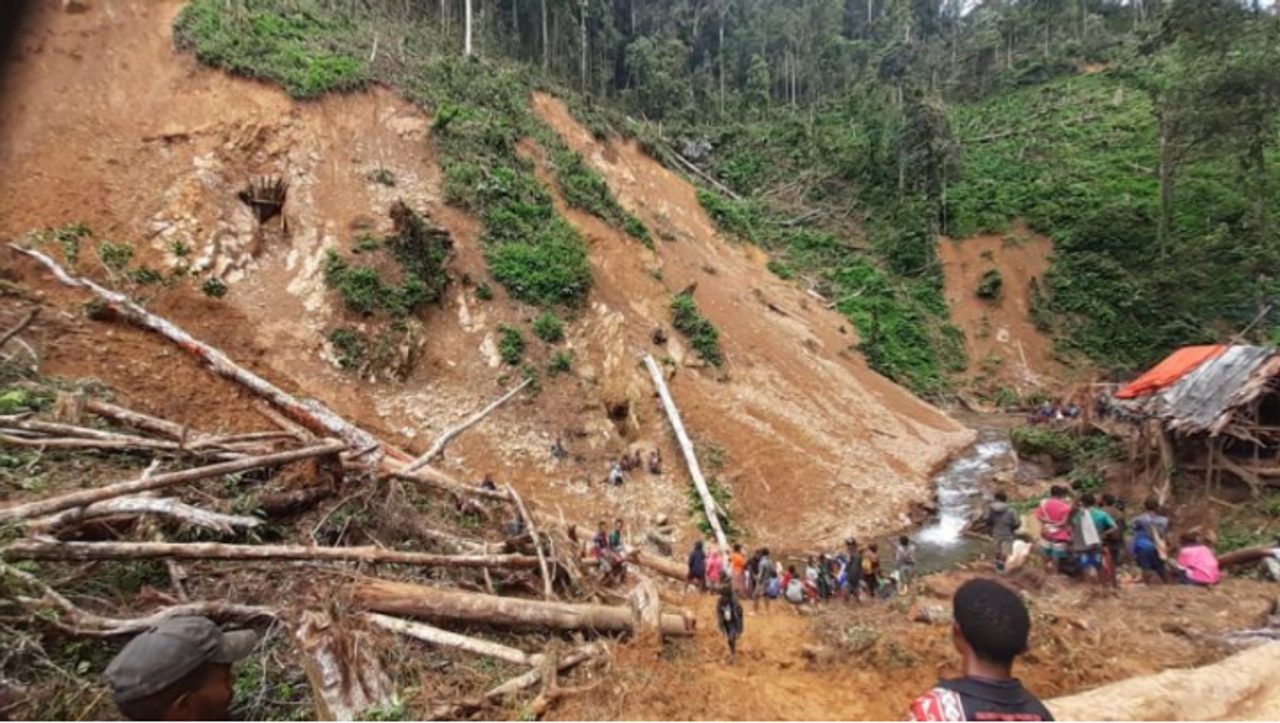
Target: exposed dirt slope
818,445
1005,347
104,123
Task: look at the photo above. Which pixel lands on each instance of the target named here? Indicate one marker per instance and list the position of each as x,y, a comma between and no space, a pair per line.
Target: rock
931,613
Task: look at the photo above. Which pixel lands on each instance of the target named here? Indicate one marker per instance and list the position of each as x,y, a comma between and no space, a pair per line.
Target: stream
961,495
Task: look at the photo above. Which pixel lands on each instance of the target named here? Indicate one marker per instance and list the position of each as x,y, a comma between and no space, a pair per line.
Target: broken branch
437,448
165,507
436,636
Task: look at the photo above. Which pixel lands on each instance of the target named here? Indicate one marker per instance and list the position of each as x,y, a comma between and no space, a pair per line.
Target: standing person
1054,514
1197,564
698,567
1004,522
1088,529
853,570
738,570
1150,549
990,631
178,670
871,570
615,474
1272,561
715,567
1114,541
824,578
616,542
766,586
905,557
730,619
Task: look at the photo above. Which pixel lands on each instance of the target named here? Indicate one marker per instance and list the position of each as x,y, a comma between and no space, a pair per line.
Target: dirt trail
1005,347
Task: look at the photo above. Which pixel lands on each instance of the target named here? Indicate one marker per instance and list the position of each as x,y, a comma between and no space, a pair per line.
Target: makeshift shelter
1207,411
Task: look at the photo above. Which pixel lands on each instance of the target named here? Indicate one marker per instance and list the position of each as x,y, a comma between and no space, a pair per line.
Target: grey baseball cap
170,651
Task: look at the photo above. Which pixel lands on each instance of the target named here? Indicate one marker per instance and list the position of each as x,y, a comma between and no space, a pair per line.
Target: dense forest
846,135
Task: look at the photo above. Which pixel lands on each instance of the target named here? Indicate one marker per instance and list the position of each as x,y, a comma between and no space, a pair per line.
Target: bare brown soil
1005,347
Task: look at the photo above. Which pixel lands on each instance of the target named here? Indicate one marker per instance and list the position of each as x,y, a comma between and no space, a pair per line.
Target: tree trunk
720,52
546,45
82,498
135,506
661,565
433,603
56,550
445,638
582,23
342,665
466,43
1168,178
709,506
437,447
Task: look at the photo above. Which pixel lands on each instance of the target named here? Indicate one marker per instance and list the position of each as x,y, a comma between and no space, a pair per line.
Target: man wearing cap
178,670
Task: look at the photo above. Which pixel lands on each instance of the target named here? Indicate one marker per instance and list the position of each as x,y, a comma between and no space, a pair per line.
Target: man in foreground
178,670
990,630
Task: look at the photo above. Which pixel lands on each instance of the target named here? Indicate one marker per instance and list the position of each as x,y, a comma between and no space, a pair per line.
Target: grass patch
549,328
511,344
561,362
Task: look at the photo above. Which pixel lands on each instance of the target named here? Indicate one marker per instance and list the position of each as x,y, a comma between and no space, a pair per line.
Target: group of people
1093,538
847,575
630,462
1056,411
608,547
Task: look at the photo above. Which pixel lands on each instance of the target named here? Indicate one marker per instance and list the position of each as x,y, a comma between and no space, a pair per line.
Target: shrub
702,334
180,249
511,345
484,291
552,269
349,346
214,288
561,362
549,328
1036,440
991,285
362,290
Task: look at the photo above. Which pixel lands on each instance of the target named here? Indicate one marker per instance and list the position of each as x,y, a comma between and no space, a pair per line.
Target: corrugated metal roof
1204,399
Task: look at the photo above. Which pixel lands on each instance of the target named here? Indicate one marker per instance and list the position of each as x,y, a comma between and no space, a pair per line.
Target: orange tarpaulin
1176,366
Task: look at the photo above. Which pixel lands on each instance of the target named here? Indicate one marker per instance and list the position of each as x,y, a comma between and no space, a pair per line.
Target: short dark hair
1108,499
1088,500
1151,504
1057,491
1002,497
993,620
156,705
904,540
737,547
764,552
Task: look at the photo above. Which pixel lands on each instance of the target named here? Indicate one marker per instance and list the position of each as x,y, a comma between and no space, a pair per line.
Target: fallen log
709,506
445,638
77,621
442,482
17,329
138,420
1246,555
164,507
437,447
44,549
51,505
309,413
646,607
342,665
431,603
532,527
454,711
661,565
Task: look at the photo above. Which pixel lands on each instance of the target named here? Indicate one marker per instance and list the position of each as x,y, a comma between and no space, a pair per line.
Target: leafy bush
561,362
115,257
214,288
511,345
991,285
549,328
702,334
1032,440
551,269
723,499
484,291
350,347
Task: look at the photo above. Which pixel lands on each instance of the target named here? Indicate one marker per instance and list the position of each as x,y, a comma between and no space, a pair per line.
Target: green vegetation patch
511,344
549,328
702,334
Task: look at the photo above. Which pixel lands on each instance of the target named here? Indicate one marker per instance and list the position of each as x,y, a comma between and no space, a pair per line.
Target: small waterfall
960,491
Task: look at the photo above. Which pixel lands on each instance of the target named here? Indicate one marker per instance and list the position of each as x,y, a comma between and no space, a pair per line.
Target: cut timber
51,505
466,607
1228,690
138,420
437,448
445,638
454,711
56,550
709,506
646,606
164,507
532,527
1246,556
661,565
343,668
309,413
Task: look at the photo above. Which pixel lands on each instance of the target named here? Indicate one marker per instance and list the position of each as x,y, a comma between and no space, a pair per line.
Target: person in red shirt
991,629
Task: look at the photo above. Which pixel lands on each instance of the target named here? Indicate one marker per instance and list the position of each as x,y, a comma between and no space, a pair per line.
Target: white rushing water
960,490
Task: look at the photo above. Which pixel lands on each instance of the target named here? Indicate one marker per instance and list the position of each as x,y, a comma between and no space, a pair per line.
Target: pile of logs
345,680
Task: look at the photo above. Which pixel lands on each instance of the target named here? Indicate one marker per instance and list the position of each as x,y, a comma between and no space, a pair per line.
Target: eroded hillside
106,125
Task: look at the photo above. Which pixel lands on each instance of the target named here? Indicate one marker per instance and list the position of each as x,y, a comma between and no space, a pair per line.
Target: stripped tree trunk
165,507
343,667
445,638
532,528
56,550
466,607
709,506
437,447
87,497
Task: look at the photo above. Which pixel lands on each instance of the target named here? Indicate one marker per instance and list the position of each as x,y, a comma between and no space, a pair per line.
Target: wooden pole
51,505
532,528
165,507
709,506
445,638
431,603
437,447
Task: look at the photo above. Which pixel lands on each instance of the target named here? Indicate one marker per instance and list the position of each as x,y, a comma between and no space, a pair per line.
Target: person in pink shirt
715,567
1198,564
1054,514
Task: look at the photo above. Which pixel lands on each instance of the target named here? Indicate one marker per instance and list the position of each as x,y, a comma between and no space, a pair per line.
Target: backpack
774,587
